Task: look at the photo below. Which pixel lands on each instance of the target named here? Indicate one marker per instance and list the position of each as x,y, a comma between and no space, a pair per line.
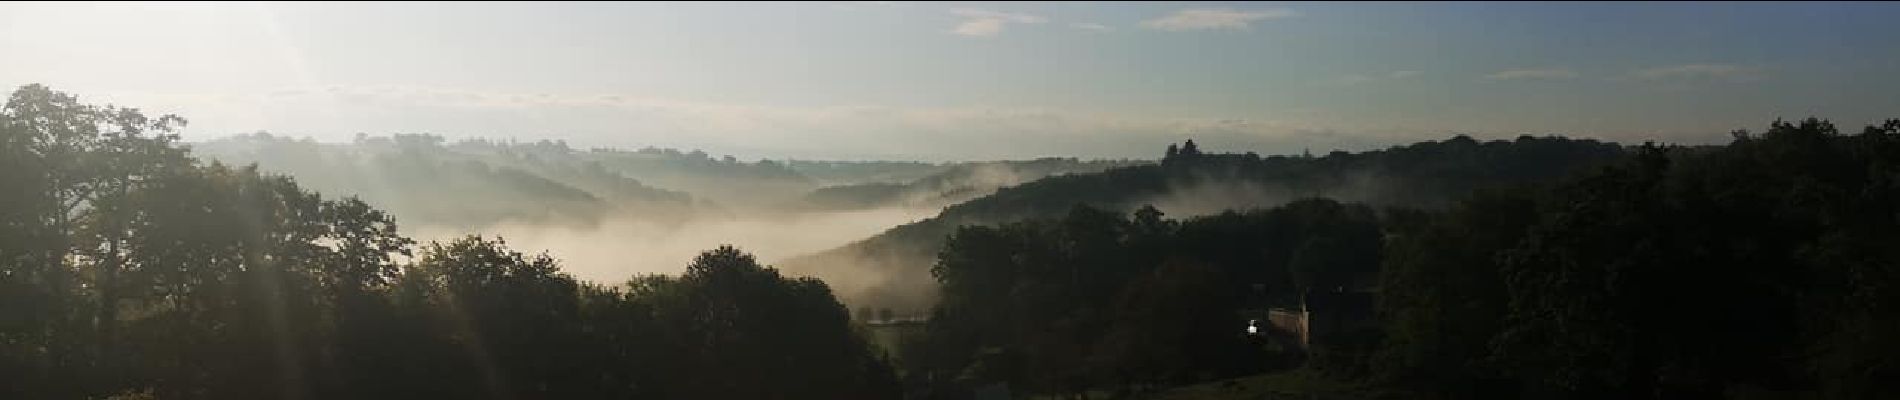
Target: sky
968,81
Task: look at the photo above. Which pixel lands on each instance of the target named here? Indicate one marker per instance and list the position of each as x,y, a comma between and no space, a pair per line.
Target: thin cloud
1353,79
1533,74
1724,72
1214,19
1091,27
985,23
1358,79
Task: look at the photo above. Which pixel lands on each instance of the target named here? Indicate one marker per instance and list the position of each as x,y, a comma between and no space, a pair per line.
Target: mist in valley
608,215
932,201
617,248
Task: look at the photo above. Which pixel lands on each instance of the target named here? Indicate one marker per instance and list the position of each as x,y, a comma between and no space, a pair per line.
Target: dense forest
1189,182
1760,269
129,268
132,268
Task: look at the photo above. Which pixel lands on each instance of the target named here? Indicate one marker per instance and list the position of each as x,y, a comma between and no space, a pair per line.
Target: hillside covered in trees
951,185
129,268
473,183
1760,269
837,173
468,184
1545,268
1189,182
611,212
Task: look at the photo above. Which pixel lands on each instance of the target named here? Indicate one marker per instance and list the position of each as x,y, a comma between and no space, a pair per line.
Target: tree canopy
1533,268
127,267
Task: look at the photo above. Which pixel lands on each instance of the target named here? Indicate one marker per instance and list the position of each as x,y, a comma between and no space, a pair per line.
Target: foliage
1096,299
1426,175
952,184
129,269
1763,266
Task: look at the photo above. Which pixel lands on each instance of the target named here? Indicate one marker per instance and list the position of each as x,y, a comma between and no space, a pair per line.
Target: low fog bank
623,246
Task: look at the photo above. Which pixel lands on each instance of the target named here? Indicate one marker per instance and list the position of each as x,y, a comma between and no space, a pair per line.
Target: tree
1171,326
129,269
1679,272
1442,295
77,162
1064,306
756,334
1148,221
516,314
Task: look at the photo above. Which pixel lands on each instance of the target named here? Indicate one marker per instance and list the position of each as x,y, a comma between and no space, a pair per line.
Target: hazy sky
942,81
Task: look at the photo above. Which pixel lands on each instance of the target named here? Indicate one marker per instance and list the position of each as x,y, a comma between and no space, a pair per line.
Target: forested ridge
466,184
474,183
1531,268
1760,269
129,268
953,184
1193,182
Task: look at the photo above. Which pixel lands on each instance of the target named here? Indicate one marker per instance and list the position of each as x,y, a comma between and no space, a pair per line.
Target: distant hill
469,184
845,173
951,184
1428,174
724,180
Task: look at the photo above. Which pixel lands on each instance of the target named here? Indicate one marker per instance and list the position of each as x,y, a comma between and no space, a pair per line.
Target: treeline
470,184
954,183
473,183
1766,268
1763,268
129,268
834,173
1431,174
1097,300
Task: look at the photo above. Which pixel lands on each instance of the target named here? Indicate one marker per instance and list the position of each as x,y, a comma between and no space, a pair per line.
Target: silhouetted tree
129,270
